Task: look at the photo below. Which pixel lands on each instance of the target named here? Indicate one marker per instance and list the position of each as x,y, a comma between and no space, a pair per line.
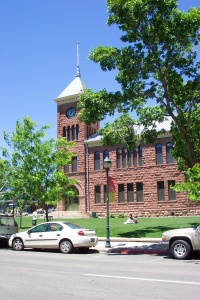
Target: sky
38,55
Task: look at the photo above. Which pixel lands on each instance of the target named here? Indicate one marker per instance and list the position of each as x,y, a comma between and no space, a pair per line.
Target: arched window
97,160
159,155
64,131
74,164
140,155
118,156
68,133
129,158
135,157
105,154
73,133
124,157
170,158
77,132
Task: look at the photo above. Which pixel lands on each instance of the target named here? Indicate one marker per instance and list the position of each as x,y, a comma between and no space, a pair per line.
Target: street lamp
107,164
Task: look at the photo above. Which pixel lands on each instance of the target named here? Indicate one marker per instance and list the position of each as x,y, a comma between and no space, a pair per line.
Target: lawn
147,227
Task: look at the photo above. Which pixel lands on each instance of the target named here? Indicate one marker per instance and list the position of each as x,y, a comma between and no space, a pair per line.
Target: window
140,155
66,168
64,131
160,190
97,194
54,227
74,164
135,157
124,157
170,158
105,154
130,194
40,228
171,193
73,133
159,156
121,193
97,160
118,158
68,133
129,159
77,132
139,191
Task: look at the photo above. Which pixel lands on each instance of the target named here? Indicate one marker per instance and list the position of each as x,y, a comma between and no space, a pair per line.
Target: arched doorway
72,203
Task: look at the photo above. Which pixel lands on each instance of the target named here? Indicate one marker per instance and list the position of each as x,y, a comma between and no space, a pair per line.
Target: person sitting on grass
131,220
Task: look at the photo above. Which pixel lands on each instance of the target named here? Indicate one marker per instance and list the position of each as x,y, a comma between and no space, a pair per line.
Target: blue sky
38,55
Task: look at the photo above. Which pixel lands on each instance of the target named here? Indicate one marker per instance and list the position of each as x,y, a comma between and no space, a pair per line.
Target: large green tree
159,76
35,165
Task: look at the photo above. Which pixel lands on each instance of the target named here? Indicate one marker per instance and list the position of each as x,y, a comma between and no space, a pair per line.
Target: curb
144,240
154,247
134,251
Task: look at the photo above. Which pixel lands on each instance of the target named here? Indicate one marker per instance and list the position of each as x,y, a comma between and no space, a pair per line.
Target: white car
55,235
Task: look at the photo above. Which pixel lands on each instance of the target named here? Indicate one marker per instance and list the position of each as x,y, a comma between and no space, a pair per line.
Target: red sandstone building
142,177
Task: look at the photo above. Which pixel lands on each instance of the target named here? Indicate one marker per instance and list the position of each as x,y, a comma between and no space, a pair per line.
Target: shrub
121,216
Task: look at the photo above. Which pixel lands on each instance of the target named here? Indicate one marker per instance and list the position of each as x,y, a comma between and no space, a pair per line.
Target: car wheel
18,244
180,249
66,247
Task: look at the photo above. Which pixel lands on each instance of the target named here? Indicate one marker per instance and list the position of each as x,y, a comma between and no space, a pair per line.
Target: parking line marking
145,279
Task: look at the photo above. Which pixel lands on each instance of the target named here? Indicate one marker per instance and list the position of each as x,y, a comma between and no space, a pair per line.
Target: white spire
78,74
74,89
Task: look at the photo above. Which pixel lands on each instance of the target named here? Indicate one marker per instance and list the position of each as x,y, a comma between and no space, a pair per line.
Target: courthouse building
142,177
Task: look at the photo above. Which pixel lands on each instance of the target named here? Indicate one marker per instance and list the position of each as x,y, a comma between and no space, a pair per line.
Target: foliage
35,170
157,65
191,185
121,216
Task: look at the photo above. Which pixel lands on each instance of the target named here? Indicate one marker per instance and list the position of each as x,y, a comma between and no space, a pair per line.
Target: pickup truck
8,226
181,242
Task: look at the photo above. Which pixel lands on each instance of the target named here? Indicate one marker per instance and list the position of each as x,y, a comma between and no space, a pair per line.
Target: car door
35,237
52,235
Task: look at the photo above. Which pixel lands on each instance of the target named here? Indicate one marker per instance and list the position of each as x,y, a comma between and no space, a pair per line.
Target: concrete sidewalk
132,246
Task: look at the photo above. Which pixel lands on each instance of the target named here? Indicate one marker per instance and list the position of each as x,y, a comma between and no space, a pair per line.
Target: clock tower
69,127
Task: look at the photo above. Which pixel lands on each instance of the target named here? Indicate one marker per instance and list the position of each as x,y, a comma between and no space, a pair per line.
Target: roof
71,92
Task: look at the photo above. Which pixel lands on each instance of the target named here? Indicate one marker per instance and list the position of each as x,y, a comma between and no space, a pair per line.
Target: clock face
70,113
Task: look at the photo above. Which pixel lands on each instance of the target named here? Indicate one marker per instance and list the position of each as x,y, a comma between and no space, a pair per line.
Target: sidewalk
132,246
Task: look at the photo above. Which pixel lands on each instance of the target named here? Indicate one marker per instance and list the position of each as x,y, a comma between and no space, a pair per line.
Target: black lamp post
107,164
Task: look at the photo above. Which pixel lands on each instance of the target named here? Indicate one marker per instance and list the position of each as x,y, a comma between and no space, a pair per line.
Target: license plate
92,240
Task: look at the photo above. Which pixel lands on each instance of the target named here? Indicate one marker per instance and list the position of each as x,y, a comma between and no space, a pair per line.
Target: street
51,275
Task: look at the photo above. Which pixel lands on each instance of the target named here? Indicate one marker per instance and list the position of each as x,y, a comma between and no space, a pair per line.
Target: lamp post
107,164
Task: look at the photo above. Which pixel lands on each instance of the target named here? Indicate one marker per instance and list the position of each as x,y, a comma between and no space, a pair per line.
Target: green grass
147,227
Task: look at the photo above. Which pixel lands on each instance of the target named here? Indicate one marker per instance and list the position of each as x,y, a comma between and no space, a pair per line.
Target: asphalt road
51,275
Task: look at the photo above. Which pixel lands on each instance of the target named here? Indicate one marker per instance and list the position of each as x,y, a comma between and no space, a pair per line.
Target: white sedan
55,235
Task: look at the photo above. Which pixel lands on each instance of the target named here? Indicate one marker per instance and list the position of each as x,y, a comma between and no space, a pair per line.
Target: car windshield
71,225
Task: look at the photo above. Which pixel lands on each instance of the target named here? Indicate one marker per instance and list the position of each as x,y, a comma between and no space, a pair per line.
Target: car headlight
164,238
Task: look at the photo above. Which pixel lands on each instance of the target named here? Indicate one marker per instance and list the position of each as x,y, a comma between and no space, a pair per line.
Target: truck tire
180,249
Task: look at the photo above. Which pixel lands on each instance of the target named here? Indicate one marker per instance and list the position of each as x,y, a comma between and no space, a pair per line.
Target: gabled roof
71,92
75,87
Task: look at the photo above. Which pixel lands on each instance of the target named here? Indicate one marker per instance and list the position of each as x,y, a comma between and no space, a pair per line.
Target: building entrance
72,203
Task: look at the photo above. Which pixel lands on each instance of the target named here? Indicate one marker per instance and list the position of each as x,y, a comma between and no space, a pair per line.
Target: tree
191,185
158,65
36,165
